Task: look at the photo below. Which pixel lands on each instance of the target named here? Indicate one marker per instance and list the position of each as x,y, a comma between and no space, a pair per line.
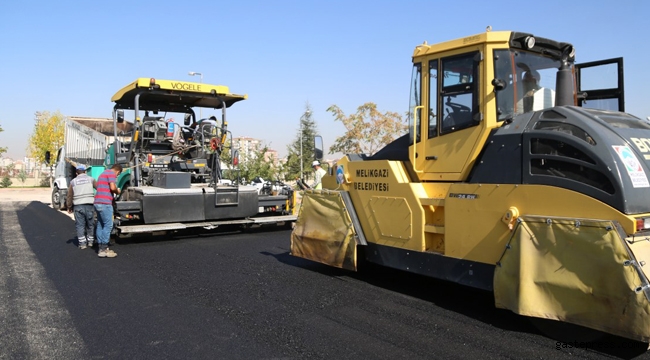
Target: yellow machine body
453,207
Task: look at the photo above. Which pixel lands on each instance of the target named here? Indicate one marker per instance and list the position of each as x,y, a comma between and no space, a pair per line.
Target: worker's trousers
104,224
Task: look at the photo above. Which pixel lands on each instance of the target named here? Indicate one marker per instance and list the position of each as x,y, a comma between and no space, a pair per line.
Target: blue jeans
84,221
104,224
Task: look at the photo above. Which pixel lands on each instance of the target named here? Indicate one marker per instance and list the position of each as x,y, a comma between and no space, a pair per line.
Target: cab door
600,84
60,165
416,113
453,115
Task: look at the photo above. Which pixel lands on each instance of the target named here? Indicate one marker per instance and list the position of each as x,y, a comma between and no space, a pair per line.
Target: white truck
82,145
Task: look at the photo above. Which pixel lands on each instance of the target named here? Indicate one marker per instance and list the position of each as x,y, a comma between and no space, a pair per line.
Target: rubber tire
123,193
56,199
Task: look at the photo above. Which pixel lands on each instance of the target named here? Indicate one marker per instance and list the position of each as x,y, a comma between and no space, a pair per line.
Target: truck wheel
57,203
124,195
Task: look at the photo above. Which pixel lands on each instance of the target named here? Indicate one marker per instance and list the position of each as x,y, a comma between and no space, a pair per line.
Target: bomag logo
643,144
471,39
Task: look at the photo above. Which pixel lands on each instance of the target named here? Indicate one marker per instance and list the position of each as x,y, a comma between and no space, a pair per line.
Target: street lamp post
192,73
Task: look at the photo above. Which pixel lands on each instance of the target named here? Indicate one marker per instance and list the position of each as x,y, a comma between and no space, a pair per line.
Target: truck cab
63,173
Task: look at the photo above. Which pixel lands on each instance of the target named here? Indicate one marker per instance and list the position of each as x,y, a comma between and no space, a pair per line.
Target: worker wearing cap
81,195
319,172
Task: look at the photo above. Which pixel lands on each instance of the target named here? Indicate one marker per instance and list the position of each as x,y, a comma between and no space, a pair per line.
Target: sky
72,56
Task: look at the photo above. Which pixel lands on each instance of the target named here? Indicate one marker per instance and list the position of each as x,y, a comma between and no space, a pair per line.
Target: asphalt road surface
236,295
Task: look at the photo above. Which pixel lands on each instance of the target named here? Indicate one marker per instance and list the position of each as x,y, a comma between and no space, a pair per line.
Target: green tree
226,152
306,132
367,131
9,172
5,182
255,164
227,169
22,176
282,172
2,149
48,134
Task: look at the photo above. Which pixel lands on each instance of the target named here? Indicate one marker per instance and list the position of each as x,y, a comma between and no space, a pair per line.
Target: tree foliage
250,165
2,149
48,134
307,130
368,130
10,170
6,182
22,176
255,164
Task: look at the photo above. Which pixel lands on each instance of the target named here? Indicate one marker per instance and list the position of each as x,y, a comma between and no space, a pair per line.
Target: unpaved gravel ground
43,195
26,194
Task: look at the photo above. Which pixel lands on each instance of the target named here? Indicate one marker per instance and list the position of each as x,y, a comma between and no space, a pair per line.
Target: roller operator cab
519,175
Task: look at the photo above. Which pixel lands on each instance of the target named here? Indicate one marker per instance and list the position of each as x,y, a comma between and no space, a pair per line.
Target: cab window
415,100
528,81
433,98
459,92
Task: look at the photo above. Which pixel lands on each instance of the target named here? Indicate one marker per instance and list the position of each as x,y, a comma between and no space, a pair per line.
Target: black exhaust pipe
564,92
565,85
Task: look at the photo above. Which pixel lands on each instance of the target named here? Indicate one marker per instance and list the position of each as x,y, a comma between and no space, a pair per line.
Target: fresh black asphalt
241,295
